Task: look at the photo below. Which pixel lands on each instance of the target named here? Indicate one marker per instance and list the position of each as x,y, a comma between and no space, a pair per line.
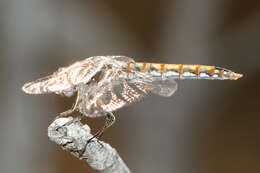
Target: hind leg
110,119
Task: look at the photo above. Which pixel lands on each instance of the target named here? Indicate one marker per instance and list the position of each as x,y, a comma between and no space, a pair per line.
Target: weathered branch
71,135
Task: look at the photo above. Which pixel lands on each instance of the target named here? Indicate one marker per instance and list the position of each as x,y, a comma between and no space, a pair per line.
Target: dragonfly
106,83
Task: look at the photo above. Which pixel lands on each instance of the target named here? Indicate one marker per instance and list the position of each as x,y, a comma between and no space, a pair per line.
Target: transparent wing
66,77
122,58
85,70
48,84
121,93
157,85
165,88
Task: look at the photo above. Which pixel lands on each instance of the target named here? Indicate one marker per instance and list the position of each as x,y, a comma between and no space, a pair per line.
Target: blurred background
207,126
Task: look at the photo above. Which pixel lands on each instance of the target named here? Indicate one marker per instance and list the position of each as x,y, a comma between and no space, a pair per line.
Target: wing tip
36,86
32,88
28,89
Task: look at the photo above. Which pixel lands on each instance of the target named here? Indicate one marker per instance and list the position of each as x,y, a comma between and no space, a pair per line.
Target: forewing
48,84
83,71
122,58
66,78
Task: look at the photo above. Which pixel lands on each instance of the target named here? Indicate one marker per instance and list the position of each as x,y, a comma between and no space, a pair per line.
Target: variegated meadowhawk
107,83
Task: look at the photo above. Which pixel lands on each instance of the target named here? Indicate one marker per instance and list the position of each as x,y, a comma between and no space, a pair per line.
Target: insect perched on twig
107,83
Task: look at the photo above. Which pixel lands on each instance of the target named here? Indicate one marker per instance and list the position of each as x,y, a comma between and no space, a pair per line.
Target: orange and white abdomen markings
181,71
156,70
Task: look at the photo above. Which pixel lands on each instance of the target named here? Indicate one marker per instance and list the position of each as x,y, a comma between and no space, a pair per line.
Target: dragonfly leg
110,119
70,111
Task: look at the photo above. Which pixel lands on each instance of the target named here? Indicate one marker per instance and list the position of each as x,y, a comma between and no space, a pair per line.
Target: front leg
70,111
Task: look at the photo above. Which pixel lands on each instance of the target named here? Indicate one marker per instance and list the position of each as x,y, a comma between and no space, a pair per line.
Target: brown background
207,126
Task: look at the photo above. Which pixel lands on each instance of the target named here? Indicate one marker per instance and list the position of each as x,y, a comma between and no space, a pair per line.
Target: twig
71,135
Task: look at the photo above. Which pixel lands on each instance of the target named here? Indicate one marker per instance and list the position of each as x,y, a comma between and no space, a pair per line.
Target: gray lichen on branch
73,136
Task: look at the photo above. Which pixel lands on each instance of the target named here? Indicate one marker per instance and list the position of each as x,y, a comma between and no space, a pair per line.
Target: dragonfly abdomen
183,71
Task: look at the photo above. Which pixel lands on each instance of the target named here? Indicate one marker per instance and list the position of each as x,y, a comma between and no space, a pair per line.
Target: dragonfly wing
124,93
156,85
117,94
122,58
120,94
66,78
63,80
83,71
48,84
164,88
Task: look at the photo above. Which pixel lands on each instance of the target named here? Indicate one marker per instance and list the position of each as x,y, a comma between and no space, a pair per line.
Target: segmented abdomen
182,71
